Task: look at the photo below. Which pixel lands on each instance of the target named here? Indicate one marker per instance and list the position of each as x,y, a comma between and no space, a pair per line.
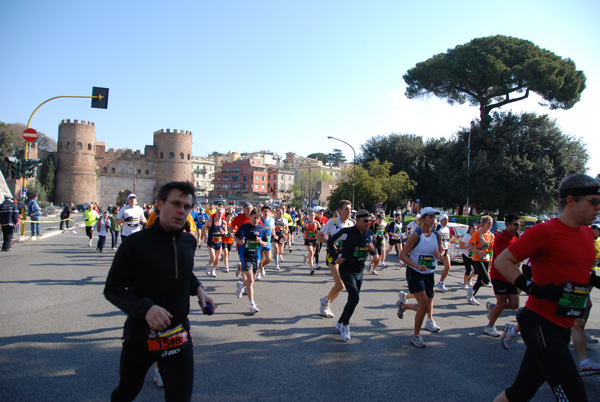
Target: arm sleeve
118,289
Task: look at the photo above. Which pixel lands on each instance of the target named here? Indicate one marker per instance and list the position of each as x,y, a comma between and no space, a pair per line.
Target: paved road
60,339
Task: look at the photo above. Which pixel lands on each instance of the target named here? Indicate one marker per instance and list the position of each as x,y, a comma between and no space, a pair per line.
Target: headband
579,191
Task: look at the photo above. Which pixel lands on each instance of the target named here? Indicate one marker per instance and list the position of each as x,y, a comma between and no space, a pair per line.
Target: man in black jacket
151,280
9,218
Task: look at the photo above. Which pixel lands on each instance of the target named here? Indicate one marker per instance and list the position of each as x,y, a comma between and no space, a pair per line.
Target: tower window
171,155
79,145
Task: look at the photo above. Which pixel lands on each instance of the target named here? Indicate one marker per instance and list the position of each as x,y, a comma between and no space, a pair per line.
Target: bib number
217,239
252,245
168,340
573,300
427,260
361,253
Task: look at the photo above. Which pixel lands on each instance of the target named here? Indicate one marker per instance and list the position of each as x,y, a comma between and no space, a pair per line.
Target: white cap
131,196
443,216
429,211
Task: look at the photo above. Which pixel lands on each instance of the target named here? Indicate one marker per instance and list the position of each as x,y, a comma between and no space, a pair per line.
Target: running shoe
465,286
401,309
345,332
418,341
226,270
290,250
207,269
440,287
338,325
590,339
430,326
312,271
318,266
262,271
277,267
491,331
258,277
490,307
489,285
383,265
253,309
588,368
402,296
374,272
281,258
157,378
508,336
469,295
473,301
240,289
213,273
89,242
368,269
324,309
305,260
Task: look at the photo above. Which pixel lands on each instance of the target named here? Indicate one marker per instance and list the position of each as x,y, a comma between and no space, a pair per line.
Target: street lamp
354,163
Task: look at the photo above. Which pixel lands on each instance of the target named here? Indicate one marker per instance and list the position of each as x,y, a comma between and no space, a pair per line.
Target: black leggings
547,358
352,282
317,251
483,276
177,372
468,261
89,230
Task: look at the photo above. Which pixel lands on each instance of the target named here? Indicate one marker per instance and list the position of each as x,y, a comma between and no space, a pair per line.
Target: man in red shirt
322,219
561,253
239,220
507,294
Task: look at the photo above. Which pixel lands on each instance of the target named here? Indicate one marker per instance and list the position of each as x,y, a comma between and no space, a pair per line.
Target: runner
265,253
200,219
292,228
378,229
344,208
557,292
227,240
466,257
444,231
357,243
394,232
481,243
131,216
213,232
421,253
281,232
322,220
310,228
237,222
251,237
507,294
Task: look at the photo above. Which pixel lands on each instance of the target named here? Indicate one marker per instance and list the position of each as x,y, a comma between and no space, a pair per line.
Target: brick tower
174,156
76,179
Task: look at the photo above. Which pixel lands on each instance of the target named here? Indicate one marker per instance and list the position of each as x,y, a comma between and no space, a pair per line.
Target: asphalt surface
60,339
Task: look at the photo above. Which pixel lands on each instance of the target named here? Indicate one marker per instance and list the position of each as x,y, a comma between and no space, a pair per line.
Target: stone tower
174,156
76,179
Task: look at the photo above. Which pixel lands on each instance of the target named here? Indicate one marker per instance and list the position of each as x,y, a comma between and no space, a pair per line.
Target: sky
279,75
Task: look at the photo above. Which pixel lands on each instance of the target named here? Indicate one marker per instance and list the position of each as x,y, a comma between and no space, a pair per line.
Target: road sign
30,135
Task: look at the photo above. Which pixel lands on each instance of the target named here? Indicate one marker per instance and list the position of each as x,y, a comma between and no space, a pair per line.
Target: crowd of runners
553,262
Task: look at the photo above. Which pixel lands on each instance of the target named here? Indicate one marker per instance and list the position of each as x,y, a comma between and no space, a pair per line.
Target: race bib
427,260
252,245
167,340
379,233
216,239
310,234
361,252
573,300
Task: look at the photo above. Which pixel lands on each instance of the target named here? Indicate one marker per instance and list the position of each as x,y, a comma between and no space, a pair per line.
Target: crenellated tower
76,179
174,156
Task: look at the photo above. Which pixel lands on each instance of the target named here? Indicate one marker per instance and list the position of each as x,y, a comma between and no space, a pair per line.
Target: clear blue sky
277,75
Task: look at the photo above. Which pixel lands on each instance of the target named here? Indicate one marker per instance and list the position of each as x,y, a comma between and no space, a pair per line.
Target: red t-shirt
558,253
322,220
240,220
502,241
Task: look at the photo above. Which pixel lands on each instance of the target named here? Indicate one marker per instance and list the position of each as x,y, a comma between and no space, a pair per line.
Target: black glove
128,219
549,291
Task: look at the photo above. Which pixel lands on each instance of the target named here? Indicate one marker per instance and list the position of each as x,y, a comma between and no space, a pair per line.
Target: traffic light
100,98
30,167
15,166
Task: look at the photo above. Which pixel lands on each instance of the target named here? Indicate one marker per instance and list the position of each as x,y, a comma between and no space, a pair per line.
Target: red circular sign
30,135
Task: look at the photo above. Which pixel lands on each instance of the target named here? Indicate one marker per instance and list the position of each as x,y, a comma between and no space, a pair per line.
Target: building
241,177
280,182
203,172
299,164
86,171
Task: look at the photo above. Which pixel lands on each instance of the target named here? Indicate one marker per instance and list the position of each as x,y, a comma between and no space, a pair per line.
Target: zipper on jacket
176,266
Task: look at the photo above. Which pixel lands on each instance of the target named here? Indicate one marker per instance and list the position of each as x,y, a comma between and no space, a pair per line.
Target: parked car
457,232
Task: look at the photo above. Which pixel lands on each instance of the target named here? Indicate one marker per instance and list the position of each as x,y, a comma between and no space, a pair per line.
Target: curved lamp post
354,165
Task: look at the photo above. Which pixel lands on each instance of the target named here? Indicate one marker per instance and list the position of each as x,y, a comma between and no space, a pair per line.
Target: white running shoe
345,332
490,307
383,265
418,341
473,301
324,309
253,308
430,326
226,270
262,271
258,277
402,296
401,309
508,336
469,295
491,331
465,286
440,287
240,289
213,273
277,267
590,339
89,242
374,272
281,258
208,269
157,378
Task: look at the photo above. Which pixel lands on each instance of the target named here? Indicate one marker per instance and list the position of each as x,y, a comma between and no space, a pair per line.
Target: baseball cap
131,196
429,211
443,216
379,216
8,197
362,213
397,214
595,226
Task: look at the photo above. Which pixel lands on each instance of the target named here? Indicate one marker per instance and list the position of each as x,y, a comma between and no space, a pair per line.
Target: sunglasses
593,200
515,223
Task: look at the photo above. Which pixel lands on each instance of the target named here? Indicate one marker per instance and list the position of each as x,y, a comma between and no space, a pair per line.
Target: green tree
374,185
404,151
518,166
11,141
306,184
493,71
47,174
319,156
336,158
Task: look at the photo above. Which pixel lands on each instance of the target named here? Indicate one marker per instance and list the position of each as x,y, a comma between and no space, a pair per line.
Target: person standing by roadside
65,217
90,217
561,253
357,243
34,211
151,279
9,219
131,217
